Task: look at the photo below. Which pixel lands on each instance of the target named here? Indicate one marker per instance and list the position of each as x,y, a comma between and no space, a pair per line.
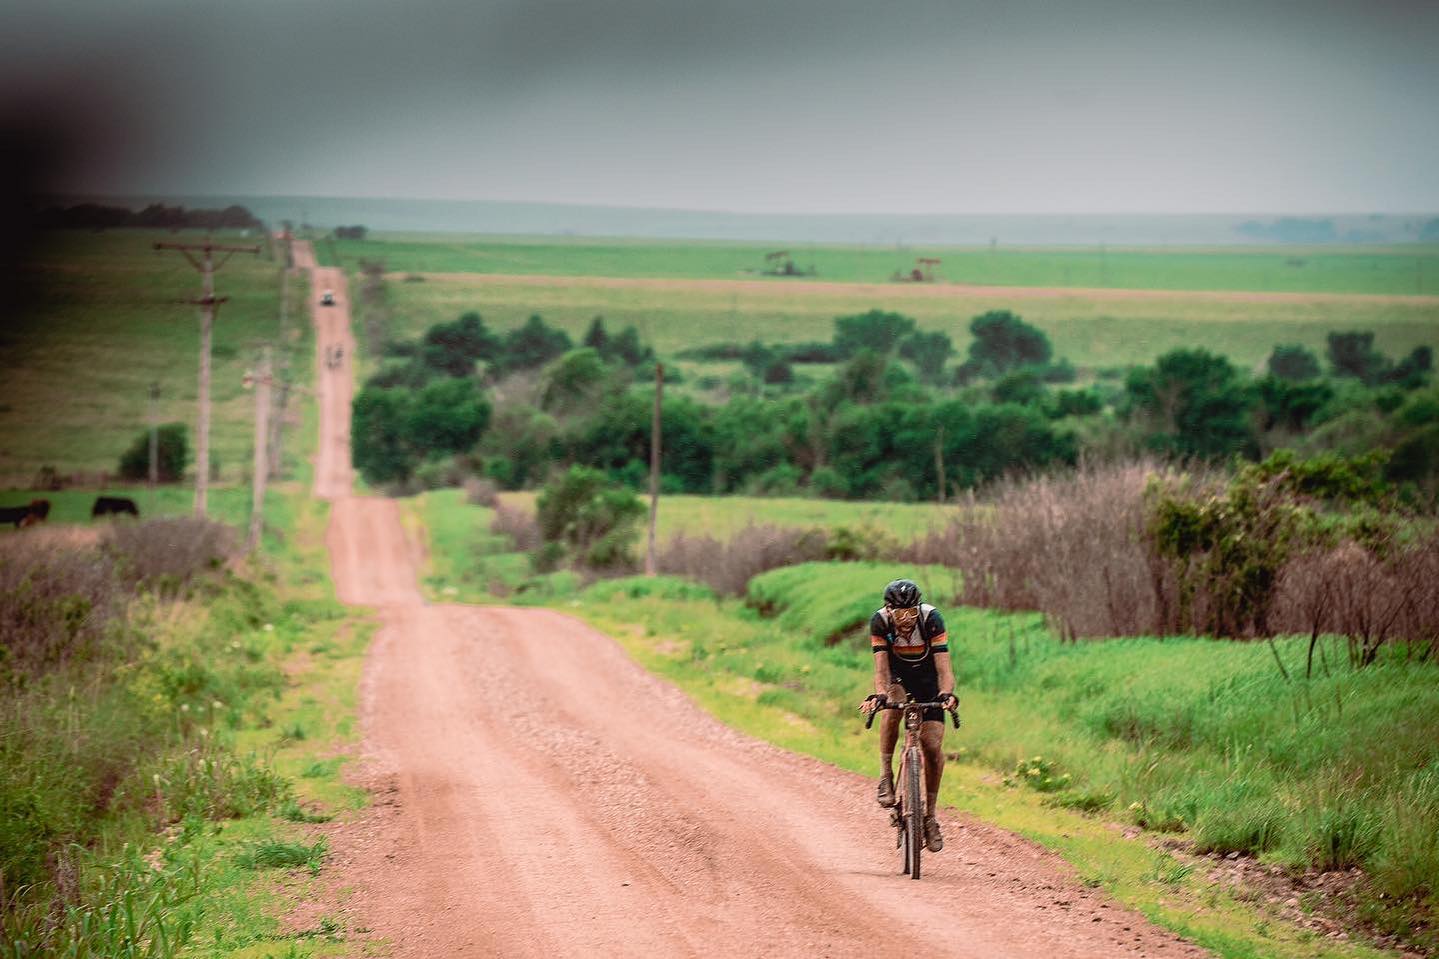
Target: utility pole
277,422
261,470
154,441
650,568
208,304
154,435
939,461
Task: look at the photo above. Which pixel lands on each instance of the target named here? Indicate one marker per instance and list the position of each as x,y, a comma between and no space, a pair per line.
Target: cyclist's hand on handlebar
951,701
872,703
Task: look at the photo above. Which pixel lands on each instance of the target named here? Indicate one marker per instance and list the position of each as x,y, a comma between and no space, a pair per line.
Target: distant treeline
95,216
1291,229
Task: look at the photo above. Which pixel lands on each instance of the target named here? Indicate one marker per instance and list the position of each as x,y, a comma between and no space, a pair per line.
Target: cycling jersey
911,664
928,636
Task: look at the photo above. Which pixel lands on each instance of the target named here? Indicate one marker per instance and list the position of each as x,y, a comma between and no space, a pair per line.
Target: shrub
172,455
59,598
727,566
519,525
593,520
167,553
481,491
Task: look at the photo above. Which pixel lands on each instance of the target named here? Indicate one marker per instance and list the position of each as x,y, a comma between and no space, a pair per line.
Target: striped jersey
927,636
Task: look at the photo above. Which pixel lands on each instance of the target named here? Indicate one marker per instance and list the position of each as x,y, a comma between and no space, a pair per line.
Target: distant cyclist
911,655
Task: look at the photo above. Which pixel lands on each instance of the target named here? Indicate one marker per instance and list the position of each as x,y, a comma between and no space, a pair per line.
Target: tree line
889,415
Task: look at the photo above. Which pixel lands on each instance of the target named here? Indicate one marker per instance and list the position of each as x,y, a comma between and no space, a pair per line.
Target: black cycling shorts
920,680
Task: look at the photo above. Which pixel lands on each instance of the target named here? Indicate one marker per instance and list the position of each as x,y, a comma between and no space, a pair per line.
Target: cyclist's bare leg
888,737
889,731
931,743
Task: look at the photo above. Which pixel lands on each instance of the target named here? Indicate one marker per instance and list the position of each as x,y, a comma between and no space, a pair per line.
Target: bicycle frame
907,814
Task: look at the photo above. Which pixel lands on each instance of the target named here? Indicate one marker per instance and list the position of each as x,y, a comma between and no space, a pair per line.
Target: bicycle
907,814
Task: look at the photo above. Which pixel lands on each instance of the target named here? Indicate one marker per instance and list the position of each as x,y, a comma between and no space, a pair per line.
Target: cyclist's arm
945,669
881,664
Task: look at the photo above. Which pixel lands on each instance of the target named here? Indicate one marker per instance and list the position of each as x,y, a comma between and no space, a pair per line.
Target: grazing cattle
28,515
105,505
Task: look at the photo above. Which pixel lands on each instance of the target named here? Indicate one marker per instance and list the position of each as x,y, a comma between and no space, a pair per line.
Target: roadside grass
1092,330
1197,739
1396,270
234,672
106,316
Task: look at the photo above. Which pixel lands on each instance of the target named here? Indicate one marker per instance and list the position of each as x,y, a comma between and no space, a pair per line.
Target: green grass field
1395,270
1195,740
109,318
1092,330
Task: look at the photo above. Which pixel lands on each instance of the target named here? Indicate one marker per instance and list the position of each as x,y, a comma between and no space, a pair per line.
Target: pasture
1092,328
106,317
1401,270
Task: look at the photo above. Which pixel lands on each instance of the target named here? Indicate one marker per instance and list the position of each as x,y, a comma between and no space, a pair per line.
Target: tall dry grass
1071,545
1078,548
727,565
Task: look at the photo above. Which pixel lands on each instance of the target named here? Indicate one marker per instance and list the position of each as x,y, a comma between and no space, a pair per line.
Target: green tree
378,444
574,381
1352,354
617,439
627,347
592,520
928,352
1021,387
446,416
533,345
596,337
877,331
454,348
1194,403
172,455
1003,342
1293,363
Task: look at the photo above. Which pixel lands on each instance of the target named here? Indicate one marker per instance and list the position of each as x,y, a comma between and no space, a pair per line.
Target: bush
481,491
168,553
59,600
1293,363
172,455
592,520
517,524
726,566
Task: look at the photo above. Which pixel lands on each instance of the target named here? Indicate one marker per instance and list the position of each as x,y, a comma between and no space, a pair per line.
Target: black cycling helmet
901,594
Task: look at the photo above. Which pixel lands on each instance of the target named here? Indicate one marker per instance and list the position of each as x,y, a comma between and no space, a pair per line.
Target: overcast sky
913,106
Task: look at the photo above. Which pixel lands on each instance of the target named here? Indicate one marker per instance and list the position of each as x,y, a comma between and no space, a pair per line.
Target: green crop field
108,317
1092,329
1392,270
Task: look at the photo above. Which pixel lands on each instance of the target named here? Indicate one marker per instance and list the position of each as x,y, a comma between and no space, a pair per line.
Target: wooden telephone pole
208,304
650,567
261,471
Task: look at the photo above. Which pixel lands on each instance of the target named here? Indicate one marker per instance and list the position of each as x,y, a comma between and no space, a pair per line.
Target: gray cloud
912,105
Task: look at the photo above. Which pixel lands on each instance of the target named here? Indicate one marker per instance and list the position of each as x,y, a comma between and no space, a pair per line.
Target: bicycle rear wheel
913,811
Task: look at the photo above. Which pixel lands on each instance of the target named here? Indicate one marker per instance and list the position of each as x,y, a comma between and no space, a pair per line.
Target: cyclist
911,656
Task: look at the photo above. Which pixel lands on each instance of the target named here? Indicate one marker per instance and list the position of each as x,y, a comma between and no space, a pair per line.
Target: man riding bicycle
911,656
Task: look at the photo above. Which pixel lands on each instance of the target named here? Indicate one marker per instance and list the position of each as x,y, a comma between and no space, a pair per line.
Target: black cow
105,505
28,515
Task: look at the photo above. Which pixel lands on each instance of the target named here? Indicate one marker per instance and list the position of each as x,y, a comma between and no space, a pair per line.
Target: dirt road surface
538,794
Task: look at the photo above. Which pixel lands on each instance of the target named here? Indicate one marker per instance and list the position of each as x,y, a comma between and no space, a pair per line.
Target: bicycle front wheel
913,811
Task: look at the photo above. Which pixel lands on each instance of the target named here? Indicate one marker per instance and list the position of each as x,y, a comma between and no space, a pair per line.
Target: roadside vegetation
1201,745
162,709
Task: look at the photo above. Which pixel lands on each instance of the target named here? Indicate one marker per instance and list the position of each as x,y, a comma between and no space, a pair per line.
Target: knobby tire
913,811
